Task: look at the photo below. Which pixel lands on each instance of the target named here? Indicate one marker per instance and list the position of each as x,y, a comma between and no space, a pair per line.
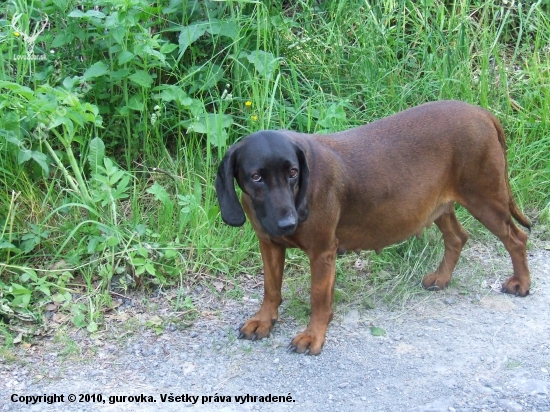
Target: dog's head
272,170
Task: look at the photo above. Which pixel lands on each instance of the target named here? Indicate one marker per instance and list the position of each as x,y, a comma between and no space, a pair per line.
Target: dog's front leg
259,326
323,270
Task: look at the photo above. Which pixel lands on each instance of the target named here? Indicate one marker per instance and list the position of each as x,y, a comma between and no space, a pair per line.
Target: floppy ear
232,211
301,200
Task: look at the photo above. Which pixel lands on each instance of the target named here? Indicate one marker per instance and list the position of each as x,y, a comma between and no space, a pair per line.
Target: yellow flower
16,34
254,118
248,103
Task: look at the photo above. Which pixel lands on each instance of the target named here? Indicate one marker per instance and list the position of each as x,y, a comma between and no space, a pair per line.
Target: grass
513,364
110,136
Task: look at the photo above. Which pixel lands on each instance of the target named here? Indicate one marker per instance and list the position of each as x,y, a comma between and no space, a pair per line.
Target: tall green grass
114,116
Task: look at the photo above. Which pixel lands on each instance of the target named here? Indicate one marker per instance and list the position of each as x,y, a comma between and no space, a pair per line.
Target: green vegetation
114,115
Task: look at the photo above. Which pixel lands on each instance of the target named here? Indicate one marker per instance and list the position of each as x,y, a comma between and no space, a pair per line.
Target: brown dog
367,188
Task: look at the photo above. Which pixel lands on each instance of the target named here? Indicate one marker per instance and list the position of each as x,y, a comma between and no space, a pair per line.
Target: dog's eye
256,177
293,173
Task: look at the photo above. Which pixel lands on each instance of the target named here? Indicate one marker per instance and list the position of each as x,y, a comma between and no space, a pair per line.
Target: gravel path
445,352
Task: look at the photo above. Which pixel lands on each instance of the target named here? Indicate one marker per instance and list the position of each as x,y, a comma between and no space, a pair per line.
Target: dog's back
417,140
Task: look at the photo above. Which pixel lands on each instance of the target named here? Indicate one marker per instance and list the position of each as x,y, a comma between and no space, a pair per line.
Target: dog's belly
358,239
376,231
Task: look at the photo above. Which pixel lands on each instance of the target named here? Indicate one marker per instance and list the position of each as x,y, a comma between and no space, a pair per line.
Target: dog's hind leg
454,238
490,201
497,218
515,241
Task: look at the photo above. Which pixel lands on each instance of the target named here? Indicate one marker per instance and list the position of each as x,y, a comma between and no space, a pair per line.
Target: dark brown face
273,172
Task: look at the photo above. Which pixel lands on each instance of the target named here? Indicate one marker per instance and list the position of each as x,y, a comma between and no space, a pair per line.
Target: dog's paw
308,343
255,329
515,286
435,281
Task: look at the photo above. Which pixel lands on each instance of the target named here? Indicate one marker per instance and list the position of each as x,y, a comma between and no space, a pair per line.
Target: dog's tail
514,209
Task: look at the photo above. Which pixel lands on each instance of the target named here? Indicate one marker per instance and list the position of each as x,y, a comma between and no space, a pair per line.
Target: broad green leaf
190,34
213,212
109,166
95,70
10,137
123,111
168,48
138,261
223,28
218,138
123,184
17,289
61,5
44,289
376,331
170,254
28,245
125,56
23,156
92,245
151,51
28,274
265,63
136,103
171,93
113,241
159,192
118,33
91,109
197,127
115,177
22,301
210,123
67,122
94,14
96,153
63,38
142,78
6,245
61,297
79,320
92,327
101,179
119,75
76,14
334,116
42,161
150,269
154,321
11,120
17,88
140,229
69,82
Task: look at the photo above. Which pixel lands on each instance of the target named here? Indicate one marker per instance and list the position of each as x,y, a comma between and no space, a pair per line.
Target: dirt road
444,352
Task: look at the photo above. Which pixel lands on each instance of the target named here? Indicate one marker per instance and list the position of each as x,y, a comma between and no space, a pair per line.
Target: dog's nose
287,225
